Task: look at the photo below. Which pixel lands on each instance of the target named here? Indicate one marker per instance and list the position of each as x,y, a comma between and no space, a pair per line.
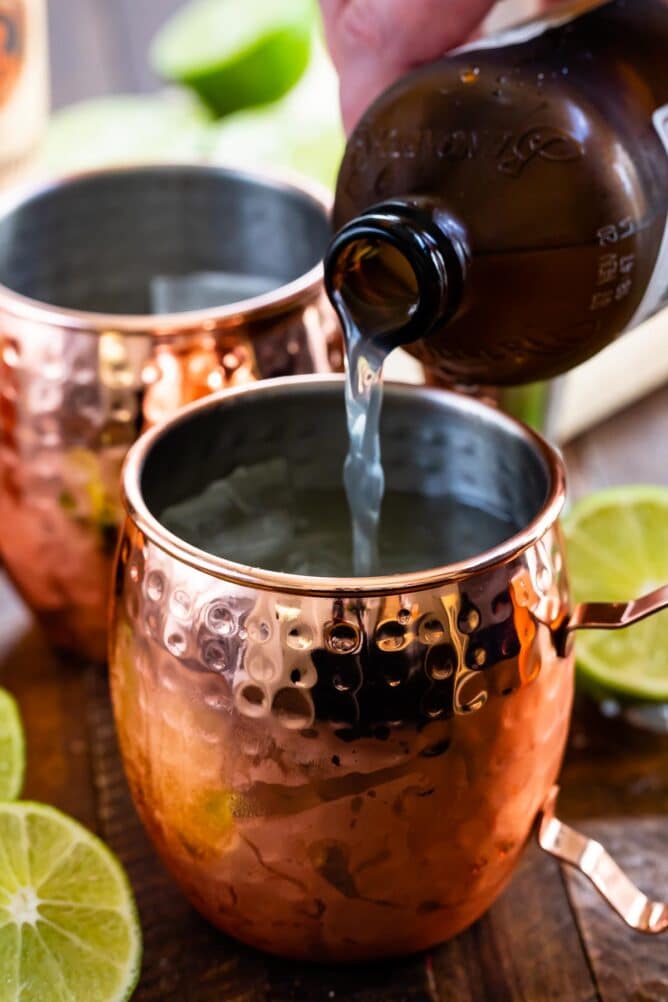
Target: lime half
234,54
68,926
618,550
301,132
12,749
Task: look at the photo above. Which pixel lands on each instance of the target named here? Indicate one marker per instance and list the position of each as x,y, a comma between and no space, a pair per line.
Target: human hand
374,42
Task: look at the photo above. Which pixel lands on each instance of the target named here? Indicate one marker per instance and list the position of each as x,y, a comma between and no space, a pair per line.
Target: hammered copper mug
111,285
341,769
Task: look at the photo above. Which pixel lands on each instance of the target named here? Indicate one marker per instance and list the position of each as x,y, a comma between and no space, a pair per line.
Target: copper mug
100,275
342,769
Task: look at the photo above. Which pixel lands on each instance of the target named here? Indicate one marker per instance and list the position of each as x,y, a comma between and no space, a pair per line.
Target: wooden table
548,937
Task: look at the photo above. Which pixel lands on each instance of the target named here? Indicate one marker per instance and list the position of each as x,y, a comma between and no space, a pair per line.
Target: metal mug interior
93,243
433,443
512,672
85,364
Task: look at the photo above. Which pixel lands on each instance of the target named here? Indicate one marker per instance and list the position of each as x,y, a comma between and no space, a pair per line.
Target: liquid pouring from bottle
535,228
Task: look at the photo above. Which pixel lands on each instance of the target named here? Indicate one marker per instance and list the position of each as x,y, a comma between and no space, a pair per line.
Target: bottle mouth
391,275
377,286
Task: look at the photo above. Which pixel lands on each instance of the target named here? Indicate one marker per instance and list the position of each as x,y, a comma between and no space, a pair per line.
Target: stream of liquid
256,516
376,292
363,476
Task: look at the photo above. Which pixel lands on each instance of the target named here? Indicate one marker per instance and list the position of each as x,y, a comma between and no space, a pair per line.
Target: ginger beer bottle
503,211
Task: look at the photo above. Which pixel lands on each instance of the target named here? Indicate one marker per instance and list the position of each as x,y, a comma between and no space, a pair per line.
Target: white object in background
400,367
508,13
24,85
633,366
627,370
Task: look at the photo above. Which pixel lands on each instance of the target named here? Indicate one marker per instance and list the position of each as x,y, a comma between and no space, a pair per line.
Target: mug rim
233,315
388,584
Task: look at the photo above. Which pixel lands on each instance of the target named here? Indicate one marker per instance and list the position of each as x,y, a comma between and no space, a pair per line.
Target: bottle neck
396,272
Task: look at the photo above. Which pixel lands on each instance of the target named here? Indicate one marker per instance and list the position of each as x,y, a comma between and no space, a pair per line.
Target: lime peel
12,748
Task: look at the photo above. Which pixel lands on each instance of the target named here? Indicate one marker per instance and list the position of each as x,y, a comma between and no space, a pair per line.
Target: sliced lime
167,126
618,550
301,132
235,54
12,748
68,926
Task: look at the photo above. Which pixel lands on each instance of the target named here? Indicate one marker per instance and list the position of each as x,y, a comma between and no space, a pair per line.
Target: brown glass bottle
524,183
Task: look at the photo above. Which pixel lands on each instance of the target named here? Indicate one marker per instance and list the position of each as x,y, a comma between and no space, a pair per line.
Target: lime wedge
12,748
302,132
618,550
68,926
168,126
235,54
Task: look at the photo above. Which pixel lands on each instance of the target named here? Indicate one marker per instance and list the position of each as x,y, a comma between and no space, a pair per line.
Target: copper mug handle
569,846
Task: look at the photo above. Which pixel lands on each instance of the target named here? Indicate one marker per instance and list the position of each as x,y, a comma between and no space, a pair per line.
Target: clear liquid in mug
254,518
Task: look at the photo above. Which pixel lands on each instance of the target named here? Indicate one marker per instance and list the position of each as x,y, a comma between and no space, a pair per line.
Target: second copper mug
110,319
342,769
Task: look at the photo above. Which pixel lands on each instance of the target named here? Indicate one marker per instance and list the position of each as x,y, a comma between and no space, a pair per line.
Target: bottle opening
376,285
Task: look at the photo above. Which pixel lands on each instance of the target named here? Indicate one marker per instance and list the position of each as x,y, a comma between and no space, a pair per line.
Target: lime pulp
618,550
68,926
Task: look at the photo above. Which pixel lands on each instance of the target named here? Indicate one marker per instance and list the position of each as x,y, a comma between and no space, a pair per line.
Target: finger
331,9
374,42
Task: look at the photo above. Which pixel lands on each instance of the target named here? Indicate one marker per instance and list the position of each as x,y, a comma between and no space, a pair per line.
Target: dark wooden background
548,937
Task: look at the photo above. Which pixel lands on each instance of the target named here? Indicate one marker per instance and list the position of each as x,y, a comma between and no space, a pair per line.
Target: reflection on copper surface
73,400
338,771
89,356
318,793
